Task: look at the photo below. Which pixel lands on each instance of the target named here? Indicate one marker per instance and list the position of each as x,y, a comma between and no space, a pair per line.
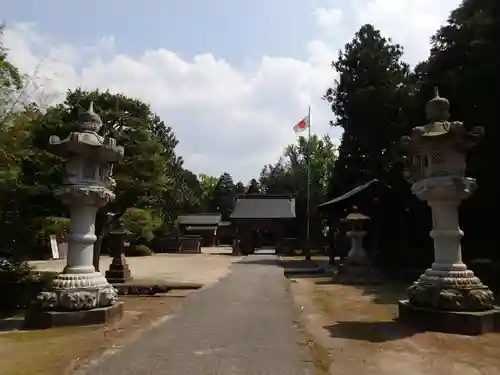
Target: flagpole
308,226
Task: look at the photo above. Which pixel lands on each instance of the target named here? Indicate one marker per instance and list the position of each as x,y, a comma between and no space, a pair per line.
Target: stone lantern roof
355,216
87,142
439,132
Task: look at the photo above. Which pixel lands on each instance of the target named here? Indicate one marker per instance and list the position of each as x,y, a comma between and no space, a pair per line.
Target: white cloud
227,120
409,23
328,19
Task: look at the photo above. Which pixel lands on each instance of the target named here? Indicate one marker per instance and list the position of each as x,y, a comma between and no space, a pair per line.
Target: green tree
10,85
193,193
253,187
141,222
208,185
20,213
369,101
289,176
224,196
240,188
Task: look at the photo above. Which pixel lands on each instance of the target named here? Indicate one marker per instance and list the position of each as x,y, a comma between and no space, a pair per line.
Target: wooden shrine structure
255,213
204,225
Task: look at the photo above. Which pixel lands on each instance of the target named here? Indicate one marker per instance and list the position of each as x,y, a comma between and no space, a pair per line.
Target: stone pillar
447,296
119,270
79,294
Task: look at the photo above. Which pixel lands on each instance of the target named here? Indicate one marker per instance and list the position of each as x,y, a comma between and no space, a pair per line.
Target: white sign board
54,247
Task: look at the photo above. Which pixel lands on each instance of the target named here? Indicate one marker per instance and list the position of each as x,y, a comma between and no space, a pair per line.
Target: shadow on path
375,332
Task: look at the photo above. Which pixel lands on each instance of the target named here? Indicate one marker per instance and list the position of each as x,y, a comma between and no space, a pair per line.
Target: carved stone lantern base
458,322
450,298
118,274
71,292
74,299
40,319
457,291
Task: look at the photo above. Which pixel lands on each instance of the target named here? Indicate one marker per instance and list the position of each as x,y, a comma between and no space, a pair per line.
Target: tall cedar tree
368,100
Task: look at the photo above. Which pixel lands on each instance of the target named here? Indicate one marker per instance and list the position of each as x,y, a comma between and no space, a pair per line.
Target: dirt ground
62,351
205,268
352,331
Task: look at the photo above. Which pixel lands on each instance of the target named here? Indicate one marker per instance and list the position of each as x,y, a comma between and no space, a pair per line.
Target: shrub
19,284
139,251
14,271
141,222
57,226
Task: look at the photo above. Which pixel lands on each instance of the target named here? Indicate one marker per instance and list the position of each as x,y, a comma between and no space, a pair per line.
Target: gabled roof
258,206
350,193
202,227
200,219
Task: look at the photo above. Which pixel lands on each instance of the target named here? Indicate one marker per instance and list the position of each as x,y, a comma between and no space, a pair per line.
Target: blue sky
231,77
238,31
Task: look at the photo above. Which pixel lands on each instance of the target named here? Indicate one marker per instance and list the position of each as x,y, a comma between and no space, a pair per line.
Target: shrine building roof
258,206
212,219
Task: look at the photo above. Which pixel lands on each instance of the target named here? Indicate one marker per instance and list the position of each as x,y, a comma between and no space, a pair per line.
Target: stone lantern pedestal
357,267
79,294
447,297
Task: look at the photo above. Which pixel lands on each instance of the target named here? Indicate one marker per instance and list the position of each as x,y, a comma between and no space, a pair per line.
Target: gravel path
240,326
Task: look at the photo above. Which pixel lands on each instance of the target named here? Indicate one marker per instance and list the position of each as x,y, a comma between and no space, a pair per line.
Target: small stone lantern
437,173
357,255
119,270
79,294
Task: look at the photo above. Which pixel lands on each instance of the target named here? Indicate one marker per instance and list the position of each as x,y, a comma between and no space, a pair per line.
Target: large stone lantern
444,294
79,294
